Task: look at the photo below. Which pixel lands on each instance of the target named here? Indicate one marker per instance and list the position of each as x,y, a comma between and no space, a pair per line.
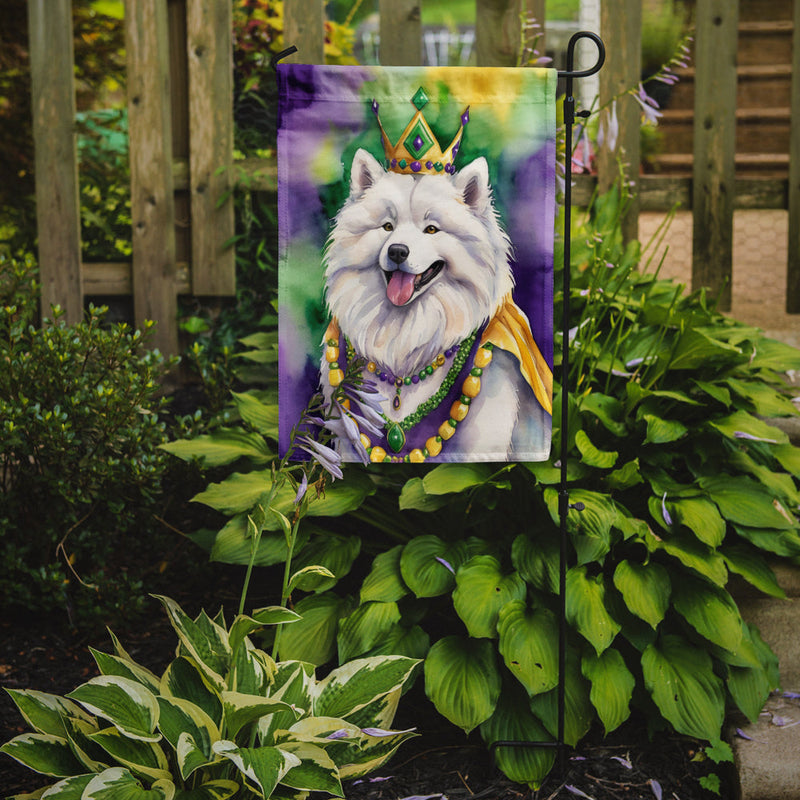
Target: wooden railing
181,133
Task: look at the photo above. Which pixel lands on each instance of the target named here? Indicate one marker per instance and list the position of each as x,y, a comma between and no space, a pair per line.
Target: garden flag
416,223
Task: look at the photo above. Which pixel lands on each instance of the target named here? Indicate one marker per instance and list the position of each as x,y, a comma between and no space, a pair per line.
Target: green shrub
223,720
79,428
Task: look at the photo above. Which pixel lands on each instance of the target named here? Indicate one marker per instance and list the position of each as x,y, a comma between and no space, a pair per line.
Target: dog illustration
414,267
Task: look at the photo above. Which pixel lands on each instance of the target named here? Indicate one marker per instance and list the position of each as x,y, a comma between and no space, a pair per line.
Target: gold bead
331,354
377,455
433,446
483,358
335,377
446,430
440,359
371,366
458,411
416,456
365,440
471,386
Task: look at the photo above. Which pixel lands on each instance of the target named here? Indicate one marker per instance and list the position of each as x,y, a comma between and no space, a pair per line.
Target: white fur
387,209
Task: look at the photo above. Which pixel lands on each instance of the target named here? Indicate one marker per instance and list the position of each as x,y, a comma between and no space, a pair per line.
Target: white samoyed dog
414,265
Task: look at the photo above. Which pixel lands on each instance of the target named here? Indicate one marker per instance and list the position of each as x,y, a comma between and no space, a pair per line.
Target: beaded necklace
396,431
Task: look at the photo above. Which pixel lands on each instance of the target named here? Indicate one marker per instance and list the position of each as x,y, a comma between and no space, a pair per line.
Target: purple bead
418,143
465,117
448,168
375,107
416,166
456,147
382,376
448,352
394,163
429,165
415,379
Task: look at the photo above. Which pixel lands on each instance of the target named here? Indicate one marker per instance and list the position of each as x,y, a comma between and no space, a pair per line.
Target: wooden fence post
304,27
621,28
714,190
498,30
152,201
793,266
56,161
210,54
401,33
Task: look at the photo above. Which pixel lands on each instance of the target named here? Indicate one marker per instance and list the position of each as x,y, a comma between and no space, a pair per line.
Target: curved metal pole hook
570,71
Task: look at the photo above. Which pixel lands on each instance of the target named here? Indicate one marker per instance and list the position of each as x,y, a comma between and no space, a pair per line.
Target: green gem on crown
420,99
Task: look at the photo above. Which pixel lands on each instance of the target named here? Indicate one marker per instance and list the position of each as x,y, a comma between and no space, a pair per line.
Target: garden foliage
80,468
684,484
223,719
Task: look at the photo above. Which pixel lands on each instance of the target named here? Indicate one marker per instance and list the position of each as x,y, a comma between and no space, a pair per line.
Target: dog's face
415,257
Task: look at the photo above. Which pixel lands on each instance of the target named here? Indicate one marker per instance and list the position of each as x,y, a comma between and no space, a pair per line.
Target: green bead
395,437
487,346
332,343
333,365
423,375
425,452
407,381
429,370
452,423
466,400
476,372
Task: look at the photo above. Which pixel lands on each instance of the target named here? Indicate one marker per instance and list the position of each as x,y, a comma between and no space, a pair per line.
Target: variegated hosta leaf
612,687
45,712
78,733
462,680
316,771
358,683
145,759
68,789
117,783
126,704
683,685
529,645
125,668
367,626
371,754
212,790
244,625
44,753
242,709
183,679
179,717
262,766
481,591
710,610
586,608
646,589
204,641
294,685
385,581
513,721
252,670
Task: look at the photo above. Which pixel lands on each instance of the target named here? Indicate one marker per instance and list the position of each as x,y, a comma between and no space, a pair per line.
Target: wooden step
754,10
765,42
767,165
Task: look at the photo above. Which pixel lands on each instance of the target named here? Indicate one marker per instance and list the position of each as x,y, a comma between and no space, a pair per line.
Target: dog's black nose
398,253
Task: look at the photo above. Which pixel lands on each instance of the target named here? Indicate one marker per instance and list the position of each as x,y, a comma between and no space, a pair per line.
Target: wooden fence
181,141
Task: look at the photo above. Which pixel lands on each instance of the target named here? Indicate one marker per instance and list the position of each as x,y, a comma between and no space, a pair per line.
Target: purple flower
655,786
301,489
624,761
742,735
380,732
792,695
608,132
664,512
447,564
327,458
342,733
751,437
577,792
649,106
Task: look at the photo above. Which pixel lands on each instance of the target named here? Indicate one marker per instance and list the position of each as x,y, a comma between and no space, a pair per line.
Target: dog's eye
387,226
431,229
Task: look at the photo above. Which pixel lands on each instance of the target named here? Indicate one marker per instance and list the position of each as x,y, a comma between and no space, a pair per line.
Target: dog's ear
472,183
364,172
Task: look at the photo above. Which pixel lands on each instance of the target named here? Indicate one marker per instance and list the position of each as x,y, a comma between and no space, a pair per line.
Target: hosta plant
224,720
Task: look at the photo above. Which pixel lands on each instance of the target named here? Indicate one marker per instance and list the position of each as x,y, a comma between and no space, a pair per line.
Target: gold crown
417,151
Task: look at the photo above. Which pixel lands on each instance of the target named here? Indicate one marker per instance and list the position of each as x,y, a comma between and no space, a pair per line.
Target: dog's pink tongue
400,287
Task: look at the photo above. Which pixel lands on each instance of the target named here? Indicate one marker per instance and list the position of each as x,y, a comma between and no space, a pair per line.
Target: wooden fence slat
793,266
401,33
56,160
621,29
717,23
498,31
210,55
304,27
152,201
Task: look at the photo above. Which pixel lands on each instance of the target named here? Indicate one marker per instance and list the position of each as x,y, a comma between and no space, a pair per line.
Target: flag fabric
416,228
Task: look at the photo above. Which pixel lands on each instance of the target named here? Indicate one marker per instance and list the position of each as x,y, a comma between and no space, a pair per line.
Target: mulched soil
45,654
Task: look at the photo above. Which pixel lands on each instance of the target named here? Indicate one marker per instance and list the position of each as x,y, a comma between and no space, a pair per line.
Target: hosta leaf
178,716
716,391
481,591
578,710
223,446
125,668
182,679
385,582
683,685
743,501
529,645
462,680
608,410
709,610
701,517
586,608
749,688
263,766
242,709
646,589
788,456
145,759
413,497
335,553
118,784
261,416
44,753
68,789
774,355
753,567
694,554
212,790
591,455
358,683
740,422
597,517
767,401
625,477
126,704
238,492
537,561
663,431
424,565
513,721
190,755
313,638
294,685
365,627
782,543
244,625
233,544
695,349
316,771
44,712
612,687
449,478
399,640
